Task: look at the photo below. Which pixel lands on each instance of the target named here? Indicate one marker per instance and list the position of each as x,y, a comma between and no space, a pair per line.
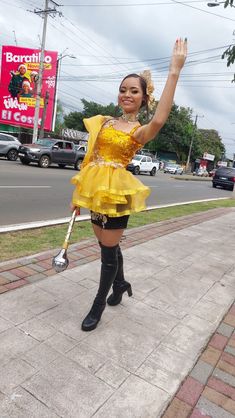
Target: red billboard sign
19,77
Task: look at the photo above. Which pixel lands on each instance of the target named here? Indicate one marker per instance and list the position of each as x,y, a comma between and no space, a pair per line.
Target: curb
80,218
192,178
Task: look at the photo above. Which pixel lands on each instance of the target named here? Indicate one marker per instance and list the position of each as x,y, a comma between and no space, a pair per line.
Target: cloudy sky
111,38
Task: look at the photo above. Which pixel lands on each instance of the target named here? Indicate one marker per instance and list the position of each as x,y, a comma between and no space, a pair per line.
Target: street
30,193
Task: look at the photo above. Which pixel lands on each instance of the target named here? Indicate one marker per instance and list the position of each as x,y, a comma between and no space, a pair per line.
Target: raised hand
179,56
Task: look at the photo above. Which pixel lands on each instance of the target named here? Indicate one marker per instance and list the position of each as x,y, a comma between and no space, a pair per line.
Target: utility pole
191,143
45,14
233,193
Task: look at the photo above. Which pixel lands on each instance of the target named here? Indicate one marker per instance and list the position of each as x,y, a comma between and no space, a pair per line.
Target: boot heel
129,291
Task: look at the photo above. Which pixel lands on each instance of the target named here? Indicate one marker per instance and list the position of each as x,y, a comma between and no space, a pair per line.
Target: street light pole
58,71
233,193
217,3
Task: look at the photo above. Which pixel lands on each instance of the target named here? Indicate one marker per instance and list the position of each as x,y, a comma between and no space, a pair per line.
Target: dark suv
47,151
224,177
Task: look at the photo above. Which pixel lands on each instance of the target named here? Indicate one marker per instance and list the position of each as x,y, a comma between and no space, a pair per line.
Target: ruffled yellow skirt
109,190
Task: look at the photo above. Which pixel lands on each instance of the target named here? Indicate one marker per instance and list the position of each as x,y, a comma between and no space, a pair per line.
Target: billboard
209,157
18,87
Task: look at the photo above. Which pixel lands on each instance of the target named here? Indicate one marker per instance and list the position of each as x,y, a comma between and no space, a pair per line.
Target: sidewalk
163,352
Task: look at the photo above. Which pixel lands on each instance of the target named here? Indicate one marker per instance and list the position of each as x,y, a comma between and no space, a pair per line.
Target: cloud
106,38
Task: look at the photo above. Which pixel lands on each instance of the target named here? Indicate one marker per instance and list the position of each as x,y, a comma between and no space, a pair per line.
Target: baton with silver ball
60,262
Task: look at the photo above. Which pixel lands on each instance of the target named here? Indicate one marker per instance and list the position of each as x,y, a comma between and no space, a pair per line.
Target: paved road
29,193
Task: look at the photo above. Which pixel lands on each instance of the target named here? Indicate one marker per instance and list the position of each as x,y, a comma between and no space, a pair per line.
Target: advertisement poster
18,87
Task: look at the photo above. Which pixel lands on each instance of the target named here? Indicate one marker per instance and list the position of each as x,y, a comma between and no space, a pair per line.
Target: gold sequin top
104,185
115,147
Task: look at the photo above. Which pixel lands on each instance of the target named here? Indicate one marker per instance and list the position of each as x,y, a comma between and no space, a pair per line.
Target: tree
74,120
175,136
208,140
59,122
229,53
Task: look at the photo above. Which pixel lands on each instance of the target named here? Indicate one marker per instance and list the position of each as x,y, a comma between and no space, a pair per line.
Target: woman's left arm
147,132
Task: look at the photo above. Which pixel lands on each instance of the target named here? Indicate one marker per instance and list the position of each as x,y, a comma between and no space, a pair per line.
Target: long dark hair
143,85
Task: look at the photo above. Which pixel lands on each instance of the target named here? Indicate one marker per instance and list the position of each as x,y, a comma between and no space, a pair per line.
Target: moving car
143,164
173,168
9,146
224,177
47,151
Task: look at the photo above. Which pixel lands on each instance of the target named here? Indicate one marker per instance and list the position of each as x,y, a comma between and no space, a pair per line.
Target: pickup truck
46,151
143,164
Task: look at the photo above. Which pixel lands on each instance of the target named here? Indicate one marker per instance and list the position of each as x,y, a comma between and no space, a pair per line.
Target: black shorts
109,222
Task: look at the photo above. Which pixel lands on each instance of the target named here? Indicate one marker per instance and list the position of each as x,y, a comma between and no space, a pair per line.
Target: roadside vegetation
175,137
23,243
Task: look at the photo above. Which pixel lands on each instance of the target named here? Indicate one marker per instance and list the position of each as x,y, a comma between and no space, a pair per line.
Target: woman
105,186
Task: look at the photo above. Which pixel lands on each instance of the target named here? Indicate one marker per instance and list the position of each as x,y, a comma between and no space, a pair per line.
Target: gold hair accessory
146,75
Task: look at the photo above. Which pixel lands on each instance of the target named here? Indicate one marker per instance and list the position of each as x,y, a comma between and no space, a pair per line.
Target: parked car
173,168
212,172
201,172
47,151
9,146
224,177
143,164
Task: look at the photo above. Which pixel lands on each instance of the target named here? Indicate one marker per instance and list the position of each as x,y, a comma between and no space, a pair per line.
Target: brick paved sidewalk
20,272
209,390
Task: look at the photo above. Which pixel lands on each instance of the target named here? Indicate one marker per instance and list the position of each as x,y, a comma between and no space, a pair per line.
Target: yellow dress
104,185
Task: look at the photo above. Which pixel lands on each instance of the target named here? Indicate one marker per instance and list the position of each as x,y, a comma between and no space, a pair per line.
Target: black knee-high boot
109,266
120,285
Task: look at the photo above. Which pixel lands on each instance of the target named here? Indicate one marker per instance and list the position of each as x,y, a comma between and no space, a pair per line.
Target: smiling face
131,95
25,88
22,70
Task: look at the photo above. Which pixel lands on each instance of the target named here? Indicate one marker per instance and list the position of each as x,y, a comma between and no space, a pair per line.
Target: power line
94,42
126,4
79,45
12,4
149,4
77,36
201,10
154,59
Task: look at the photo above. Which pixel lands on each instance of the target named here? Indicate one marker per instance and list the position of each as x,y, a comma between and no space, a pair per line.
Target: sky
101,41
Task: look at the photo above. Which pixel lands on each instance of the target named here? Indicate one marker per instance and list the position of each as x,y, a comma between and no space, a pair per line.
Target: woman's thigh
108,237
111,237
98,231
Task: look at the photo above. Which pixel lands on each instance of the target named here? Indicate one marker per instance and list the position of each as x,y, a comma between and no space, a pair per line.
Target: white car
201,172
9,146
173,168
143,164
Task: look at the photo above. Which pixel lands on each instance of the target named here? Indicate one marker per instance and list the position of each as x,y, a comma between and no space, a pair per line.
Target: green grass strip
23,243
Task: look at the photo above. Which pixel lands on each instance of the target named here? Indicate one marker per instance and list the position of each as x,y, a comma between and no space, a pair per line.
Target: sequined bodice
115,146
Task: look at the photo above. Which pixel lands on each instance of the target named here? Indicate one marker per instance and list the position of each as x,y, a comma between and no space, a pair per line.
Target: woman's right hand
73,207
179,56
